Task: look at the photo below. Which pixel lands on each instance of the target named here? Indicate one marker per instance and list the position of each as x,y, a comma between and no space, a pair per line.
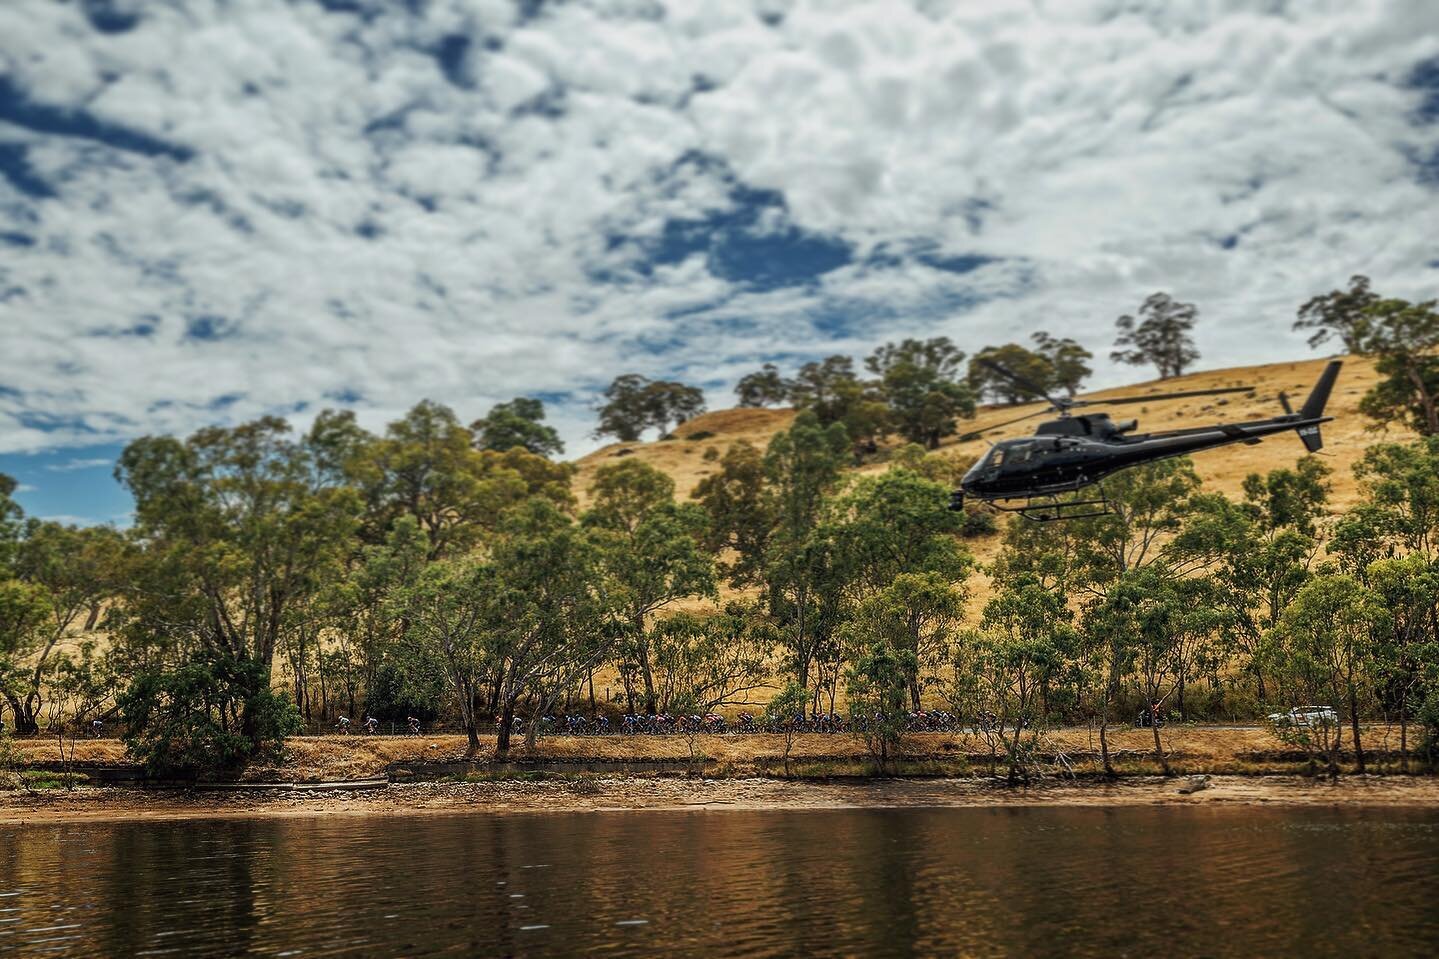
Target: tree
650,552
1406,636
1403,338
1161,335
1339,313
425,466
517,424
207,715
635,403
1015,358
785,712
1401,510
1324,647
1068,361
918,613
704,662
557,618
764,387
1261,551
451,610
804,581
740,513
921,383
1023,640
238,531
70,571
877,684
835,394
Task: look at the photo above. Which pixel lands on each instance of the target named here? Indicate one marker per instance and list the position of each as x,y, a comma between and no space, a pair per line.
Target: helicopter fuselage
1068,454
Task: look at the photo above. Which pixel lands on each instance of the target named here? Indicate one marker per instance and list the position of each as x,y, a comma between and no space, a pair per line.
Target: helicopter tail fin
1313,408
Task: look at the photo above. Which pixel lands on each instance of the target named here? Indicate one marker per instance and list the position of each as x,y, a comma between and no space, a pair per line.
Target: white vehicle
1306,716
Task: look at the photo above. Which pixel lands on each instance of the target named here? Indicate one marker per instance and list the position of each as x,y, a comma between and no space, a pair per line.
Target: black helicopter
1027,476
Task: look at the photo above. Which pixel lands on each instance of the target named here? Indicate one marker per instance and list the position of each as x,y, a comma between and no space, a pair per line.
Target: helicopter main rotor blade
1017,419
1156,397
1022,382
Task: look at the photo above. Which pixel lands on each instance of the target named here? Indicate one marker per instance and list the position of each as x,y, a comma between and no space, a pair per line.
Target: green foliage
634,403
878,705
650,553
765,387
704,662
1402,337
1161,336
1015,358
1068,361
517,423
205,717
1340,313
921,383
740,514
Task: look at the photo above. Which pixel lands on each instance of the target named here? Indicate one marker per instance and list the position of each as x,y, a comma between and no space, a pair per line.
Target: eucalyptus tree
1324,645
517,423
238,529
425,466
904,563
741,515
923,386
1022,644
650,553
804,579
69,571
1161,335
705,661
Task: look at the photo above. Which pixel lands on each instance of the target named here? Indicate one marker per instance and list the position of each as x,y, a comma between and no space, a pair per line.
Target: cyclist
414,725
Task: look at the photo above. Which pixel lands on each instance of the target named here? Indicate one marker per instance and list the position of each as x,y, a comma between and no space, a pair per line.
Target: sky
212,210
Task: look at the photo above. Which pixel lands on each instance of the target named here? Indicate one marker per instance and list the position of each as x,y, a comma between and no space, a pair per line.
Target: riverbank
638,793
1214,750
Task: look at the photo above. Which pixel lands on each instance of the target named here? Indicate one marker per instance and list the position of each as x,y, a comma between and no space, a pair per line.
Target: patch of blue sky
750,241
1424,77
18,109
75,484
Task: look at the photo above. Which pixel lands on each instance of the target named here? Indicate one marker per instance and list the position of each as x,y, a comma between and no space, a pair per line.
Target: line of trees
445,572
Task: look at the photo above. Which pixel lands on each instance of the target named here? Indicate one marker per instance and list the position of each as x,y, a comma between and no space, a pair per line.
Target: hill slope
1222,469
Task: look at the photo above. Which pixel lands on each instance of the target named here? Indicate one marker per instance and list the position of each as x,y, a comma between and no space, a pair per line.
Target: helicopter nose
956,501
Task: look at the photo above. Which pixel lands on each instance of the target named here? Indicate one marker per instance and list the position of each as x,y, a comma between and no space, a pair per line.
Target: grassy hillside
1223,469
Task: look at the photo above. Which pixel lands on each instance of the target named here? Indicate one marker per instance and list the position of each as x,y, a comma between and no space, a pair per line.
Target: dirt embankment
1190,749
674,793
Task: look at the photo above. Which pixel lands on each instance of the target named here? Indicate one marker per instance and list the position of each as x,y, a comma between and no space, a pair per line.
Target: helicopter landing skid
1048,509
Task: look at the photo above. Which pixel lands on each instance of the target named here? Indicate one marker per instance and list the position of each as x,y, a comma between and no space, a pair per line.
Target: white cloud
365,225
71,465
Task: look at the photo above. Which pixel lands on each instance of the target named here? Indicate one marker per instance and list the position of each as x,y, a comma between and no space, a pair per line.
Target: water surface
896,882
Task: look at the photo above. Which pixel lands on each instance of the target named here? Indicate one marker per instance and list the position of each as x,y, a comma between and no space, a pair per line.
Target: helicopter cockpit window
1019,453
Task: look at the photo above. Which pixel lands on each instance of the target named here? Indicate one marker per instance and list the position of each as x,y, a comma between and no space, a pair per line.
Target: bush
978,521
700,435
207,717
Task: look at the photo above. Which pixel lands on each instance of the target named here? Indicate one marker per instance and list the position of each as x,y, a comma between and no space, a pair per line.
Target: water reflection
982,882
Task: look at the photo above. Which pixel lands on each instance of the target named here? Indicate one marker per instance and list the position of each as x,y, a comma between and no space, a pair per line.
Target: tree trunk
507,719
1158,747
1354,727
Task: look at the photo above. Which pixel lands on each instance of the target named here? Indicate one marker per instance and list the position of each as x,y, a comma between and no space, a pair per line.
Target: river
1139,881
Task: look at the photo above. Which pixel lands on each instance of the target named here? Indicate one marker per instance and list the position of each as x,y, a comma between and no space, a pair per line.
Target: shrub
204,718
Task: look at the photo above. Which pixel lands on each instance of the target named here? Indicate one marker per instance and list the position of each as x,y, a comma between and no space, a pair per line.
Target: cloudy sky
214,209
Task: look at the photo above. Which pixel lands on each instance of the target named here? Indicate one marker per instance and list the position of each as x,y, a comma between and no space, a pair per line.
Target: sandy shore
678,793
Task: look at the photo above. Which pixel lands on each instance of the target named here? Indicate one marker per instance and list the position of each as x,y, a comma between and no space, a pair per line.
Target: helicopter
1066,454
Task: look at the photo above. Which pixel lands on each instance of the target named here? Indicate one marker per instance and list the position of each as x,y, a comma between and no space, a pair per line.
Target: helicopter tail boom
1311,414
